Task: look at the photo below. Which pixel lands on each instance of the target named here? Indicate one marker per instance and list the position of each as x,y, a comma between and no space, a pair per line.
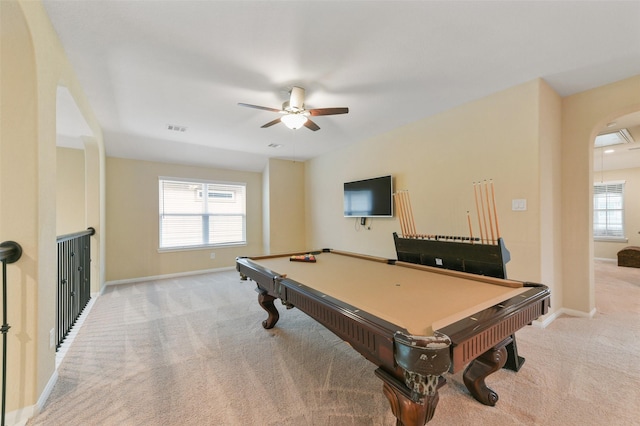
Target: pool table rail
476,334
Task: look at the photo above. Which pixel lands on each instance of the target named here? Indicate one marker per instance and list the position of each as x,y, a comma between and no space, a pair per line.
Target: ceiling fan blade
271,123
259,107
328,111
297,98
311,125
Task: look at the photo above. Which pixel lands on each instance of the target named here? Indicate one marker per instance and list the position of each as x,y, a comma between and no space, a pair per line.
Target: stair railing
74,280
10,252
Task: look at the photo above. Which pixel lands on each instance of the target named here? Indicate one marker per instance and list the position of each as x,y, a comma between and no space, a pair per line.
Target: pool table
414,322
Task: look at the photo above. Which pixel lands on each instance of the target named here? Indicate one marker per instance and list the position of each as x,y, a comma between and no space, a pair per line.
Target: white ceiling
145,64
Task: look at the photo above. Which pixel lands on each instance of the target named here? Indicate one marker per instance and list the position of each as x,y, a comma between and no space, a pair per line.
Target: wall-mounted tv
369,197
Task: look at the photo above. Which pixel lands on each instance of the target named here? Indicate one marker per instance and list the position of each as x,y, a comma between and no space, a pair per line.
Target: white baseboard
605,259
21,417
47,390
68,340
162,277
574,313
543,322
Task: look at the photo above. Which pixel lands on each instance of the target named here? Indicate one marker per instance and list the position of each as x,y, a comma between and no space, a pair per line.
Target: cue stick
484,218
486,193
403,210
407,209
412,223
402,215
470,231
495,212
397,203
475,193
405,233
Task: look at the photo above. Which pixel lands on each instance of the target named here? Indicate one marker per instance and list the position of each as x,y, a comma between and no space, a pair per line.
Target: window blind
608,210
201,213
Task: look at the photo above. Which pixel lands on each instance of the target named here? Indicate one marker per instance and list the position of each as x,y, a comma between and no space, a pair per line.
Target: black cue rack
479,259
474,258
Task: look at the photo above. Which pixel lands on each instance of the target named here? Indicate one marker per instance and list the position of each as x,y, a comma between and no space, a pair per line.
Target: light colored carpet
191,351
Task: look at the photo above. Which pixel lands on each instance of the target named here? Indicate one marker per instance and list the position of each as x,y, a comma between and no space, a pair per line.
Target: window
608,210
200,213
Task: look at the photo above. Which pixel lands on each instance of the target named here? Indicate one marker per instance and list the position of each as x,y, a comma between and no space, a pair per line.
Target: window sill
610,240
195,248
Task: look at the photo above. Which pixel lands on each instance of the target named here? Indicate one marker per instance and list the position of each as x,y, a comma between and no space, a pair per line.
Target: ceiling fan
294,114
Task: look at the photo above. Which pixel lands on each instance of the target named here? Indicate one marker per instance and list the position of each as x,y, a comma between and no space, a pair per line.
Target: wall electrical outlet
213,255
52,338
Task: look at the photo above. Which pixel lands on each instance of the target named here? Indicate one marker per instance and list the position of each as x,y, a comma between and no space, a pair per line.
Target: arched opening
615,204
617,159
71,129
584,115
77,181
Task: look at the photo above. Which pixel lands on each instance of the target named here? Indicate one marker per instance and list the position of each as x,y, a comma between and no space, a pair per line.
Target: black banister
67,237
74,280
10,252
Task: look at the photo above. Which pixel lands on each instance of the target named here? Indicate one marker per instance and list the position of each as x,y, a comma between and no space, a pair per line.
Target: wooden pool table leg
478,370
266,302
407,411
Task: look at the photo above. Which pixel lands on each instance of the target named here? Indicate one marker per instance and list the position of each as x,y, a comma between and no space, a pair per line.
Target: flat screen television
369,197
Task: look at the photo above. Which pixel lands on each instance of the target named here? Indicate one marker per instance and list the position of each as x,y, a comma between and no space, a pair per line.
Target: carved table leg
266,302
407,411
486,364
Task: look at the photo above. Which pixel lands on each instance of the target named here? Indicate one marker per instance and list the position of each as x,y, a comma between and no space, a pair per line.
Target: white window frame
237,191
612,231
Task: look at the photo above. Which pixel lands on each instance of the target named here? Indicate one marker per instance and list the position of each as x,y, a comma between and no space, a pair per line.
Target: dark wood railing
74,280
10,252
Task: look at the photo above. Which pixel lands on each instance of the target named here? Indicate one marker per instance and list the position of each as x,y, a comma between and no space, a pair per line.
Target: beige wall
70,191
285,211
608,249
550,134
132,219
33,65
95,212
19,215
437,159
583,116
266,211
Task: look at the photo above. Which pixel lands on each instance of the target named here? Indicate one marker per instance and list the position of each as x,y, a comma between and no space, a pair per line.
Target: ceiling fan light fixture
294,121
294,113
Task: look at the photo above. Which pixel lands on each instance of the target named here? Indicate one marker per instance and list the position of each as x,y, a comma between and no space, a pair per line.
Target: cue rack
484,254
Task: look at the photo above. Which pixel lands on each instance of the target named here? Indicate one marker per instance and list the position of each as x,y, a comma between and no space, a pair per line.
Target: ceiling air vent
175,128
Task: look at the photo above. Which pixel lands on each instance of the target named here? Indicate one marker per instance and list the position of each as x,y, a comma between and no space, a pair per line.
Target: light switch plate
519,205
